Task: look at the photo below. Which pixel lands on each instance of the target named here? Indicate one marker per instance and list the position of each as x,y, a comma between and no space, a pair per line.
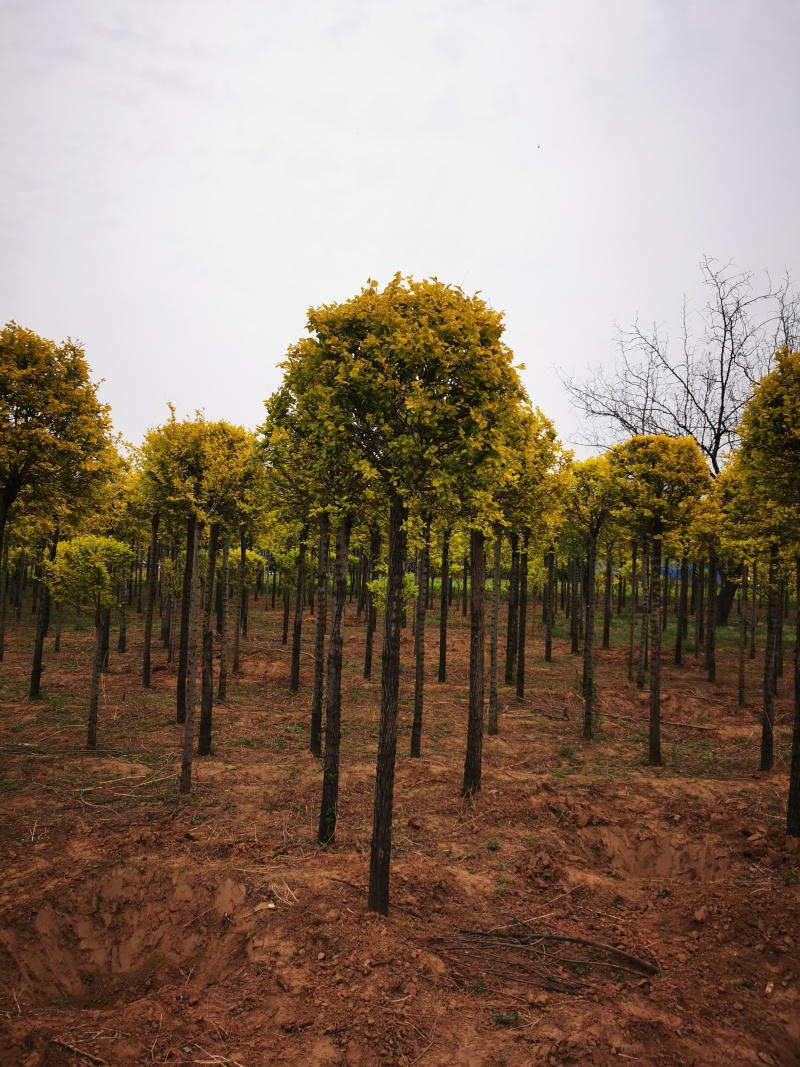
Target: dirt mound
109,937
651,855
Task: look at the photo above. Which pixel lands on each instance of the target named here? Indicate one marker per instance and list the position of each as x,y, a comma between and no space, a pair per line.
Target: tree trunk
274,583
222,687
513,612
106,639
711,621
419,644
793,809
742,636
494,665
655,653
473,759
588,641
94,688
294,680
333,694
522,622
767,741
754,611
122,636
632,617
464,587
700,621
207,689
645,613
186,601
683,600
240,608
608,599
42,626
446,584
191,663
319,644
575,614
549,605
372,611
3,595
381,845
152,570
286,607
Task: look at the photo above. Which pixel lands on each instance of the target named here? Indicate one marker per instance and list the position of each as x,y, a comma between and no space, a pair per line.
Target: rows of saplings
400,465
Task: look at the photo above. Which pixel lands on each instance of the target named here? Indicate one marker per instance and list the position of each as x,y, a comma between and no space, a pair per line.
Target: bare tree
699,386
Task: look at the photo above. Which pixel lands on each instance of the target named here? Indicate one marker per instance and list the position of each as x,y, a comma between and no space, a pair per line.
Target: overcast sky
179,181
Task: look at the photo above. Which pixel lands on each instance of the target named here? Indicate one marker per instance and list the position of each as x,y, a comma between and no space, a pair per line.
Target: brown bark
473,758
207,688
333,694
315,742
494,665
381,845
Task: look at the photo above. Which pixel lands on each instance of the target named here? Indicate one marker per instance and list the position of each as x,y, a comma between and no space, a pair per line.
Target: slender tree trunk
754,611
240,607
522,623
319,644
683,600
191,664
186,602
372,611
793,808
574,611
274,583
218,607
286,607
381,846
464,587
767,741
549,600
743,636
701,610
711,621
222,688
494,665
207,689
122,636
645,613
94,688
42,626
294,681
106,638
419,644
588,641
632,617
152,571
333,694
474,755
446,594
513,612
3,595
19,586
655,653
608,599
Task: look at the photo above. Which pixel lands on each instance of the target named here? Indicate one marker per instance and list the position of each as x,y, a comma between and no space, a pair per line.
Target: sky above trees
181,180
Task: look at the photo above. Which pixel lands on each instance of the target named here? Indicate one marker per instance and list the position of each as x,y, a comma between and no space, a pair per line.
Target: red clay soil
138,927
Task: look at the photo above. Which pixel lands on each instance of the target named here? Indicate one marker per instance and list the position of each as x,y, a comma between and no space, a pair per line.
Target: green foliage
88,569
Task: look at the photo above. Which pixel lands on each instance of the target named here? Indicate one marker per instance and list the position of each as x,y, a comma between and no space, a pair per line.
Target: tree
85,569
589,505
660,480
420,379
771,464
54,432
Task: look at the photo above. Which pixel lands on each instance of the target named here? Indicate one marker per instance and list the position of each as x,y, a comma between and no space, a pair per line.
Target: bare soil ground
137,927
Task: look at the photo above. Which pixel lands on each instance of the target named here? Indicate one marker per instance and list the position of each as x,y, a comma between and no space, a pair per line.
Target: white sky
181,179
